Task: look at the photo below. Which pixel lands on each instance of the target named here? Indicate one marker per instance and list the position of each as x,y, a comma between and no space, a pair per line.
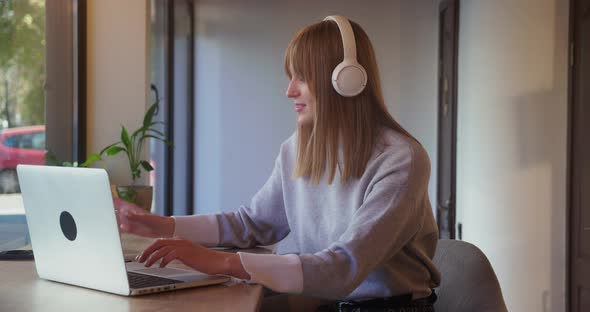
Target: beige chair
468,280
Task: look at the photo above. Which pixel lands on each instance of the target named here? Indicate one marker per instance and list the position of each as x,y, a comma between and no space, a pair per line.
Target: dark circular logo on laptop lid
68,225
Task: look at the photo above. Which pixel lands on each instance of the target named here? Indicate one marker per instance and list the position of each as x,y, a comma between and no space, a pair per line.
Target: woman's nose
292,90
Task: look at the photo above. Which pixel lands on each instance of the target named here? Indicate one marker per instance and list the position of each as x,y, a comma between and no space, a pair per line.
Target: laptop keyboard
138,280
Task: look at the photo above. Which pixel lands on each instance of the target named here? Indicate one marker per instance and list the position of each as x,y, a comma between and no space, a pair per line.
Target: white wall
416,108
242,114
512,132
118,75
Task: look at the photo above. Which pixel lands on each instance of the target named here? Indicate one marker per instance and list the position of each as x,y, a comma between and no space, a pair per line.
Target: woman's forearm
232,265
168,227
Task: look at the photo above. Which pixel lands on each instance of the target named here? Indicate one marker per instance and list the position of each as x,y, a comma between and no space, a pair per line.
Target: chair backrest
468,280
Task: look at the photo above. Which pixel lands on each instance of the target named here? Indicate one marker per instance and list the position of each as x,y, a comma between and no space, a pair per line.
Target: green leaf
109,146
91,159
146,165
114,150
169,143
158,132
147,127
51,159
125,138
155,89
152,136
150,115
142,129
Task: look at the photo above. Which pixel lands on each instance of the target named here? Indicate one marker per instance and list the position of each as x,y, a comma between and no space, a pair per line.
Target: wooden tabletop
22,290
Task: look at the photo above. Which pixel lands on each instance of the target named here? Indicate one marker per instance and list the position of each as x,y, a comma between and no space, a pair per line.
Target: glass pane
22,108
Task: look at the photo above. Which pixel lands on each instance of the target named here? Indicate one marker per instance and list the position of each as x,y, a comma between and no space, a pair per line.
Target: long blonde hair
350,123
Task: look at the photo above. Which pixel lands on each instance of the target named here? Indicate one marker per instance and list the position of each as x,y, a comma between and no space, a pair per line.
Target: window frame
65,99
64,88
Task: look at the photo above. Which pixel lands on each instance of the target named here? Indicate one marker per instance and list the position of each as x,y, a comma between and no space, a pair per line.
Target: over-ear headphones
349,78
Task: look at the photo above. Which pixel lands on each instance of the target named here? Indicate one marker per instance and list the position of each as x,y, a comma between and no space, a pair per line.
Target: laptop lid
74,234
73,227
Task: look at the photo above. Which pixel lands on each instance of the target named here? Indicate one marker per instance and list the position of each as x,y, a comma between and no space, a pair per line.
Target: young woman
350,185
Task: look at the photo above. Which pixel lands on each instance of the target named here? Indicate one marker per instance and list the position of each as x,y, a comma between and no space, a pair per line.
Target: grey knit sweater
371,237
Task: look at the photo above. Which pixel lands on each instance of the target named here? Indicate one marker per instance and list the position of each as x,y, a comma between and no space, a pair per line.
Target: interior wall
117,77
241,112
512,136
417,106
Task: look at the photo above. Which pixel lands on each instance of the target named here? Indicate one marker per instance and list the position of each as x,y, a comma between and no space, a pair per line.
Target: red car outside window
21,145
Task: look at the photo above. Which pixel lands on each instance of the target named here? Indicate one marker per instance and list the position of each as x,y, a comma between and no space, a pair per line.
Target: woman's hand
193,255
133,219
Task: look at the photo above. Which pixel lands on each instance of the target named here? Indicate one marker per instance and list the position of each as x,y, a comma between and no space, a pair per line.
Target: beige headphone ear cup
349,78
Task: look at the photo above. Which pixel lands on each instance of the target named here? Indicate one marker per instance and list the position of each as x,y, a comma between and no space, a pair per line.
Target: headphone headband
348,41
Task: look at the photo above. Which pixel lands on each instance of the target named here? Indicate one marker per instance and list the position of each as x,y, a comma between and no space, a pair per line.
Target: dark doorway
579,168
447,116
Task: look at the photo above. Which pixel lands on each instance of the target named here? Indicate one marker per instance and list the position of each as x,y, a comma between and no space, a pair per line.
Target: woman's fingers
162,242
193,255
140,224
133,215
157,255
135,220
121,205
125,224
123,211
169,258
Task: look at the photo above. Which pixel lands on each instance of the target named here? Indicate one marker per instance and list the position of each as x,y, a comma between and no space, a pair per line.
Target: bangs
312,55
295,56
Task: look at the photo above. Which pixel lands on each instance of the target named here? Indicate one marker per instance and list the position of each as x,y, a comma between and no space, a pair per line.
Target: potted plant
132,145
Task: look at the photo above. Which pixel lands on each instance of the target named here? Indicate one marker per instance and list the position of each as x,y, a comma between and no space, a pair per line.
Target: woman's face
304,102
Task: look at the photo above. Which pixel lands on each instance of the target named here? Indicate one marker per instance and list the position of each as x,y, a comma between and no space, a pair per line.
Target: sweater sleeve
201,229
281,273
263,222
384,223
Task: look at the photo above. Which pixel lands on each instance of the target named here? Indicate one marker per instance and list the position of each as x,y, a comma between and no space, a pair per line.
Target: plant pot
141,195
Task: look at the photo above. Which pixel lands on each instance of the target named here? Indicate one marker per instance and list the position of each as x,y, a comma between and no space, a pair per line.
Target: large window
41,97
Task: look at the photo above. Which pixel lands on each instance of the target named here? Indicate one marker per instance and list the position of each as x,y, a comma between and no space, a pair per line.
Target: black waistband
395,301
384,304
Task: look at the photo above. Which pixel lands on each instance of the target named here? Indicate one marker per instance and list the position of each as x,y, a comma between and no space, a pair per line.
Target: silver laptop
75,237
